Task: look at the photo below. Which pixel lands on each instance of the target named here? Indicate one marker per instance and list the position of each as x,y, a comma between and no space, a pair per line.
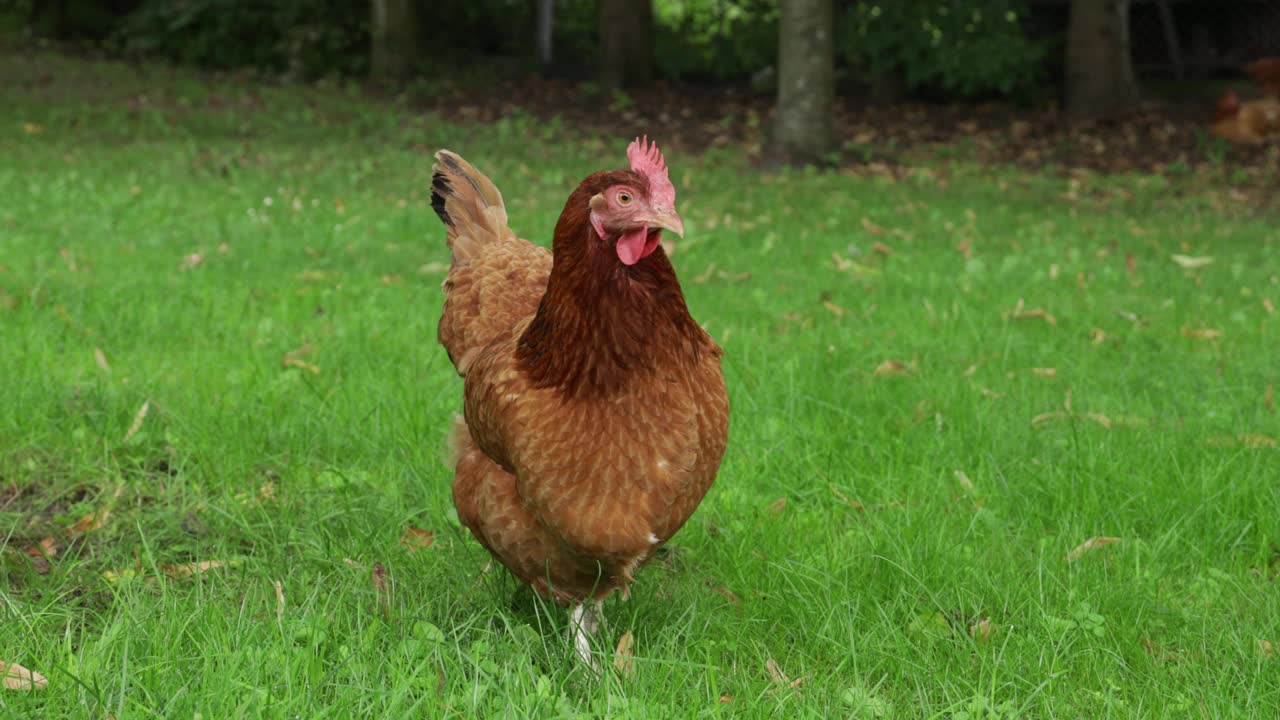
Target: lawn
1003,444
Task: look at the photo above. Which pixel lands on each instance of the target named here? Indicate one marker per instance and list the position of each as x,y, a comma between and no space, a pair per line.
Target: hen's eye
624,198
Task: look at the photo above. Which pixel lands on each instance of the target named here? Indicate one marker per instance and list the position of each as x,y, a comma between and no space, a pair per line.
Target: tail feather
468,204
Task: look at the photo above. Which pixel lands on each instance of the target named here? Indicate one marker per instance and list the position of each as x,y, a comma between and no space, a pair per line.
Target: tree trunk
395,46
626,42
546,17
803,126
1100,79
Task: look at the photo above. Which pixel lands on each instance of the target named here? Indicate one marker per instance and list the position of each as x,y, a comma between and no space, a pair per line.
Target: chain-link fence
1187,38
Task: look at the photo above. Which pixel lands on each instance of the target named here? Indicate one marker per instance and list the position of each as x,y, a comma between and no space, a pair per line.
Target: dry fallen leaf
1191,263
891,367
1045,372
1253,441
705,276
1266,649
1099,418
871,227
279,599
982,630
137,420
188,569
1048,417
1097,336
97,518
777,505
416,539
881,248
15,677
433,268
379,577
624,656
192,261
293,358
1020,313
775,672
1266,304
834,308
726,699
1201,333
101,358
1092,543
1269,399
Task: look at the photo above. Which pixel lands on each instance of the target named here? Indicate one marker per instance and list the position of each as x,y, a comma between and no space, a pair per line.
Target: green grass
918,567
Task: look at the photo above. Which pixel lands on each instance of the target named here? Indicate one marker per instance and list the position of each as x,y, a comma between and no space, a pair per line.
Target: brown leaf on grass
1130,264
1201,333
279,588
1020,312
833,308
882,249
1091,544
1252,441
723,592
415,539
892,367
775,672
391,279
192,261
1268,400
982,629
871,228
1099,418
1046,372
293,358
433,268
379,578
137,420
624,656
1266,649
89,522
185,570
780,679
101,358
776,506
1097,336
1048,417
706,275
733,277
47,548
15,677
726,699
1266,305
1190,262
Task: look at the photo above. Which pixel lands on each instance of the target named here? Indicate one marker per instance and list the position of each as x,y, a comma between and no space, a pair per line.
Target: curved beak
667,219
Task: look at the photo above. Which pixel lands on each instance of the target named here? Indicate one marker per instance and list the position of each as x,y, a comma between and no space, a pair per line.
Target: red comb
646,159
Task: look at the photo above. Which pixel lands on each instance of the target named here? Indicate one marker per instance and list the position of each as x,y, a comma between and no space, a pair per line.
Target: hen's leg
584,621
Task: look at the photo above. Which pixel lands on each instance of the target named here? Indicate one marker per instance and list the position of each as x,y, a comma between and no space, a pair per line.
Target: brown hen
595,409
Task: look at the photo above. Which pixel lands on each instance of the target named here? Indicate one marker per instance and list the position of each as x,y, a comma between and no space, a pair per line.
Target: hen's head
629,209
1228,106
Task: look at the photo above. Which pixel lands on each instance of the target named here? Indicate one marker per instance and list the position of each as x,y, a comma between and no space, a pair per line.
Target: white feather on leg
584,621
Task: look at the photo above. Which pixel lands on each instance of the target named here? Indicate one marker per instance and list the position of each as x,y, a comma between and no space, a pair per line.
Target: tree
1100,79
395,46
803,128
626,42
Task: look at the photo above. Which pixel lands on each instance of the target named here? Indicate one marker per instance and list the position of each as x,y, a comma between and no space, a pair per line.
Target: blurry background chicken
1249,122
595,408
1252,122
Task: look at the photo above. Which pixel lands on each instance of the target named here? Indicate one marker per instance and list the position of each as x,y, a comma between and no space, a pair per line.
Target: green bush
962,47
715,39
303,37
